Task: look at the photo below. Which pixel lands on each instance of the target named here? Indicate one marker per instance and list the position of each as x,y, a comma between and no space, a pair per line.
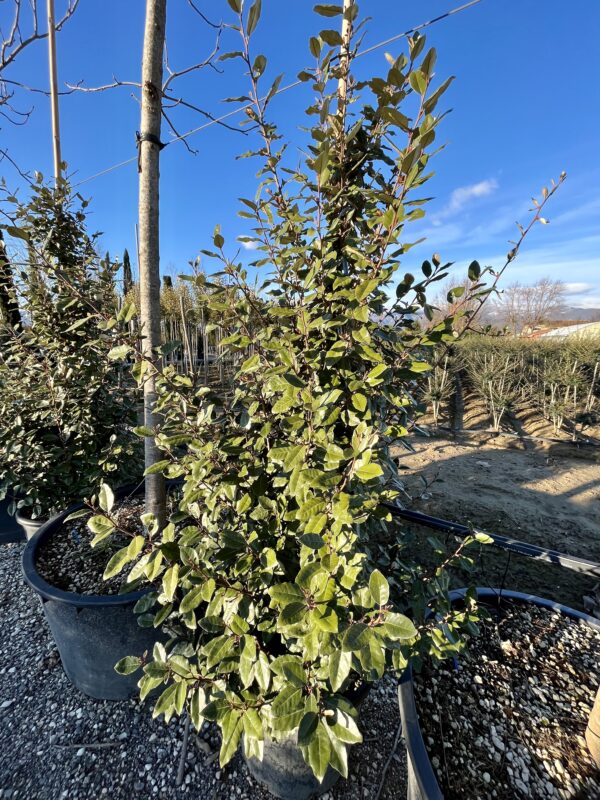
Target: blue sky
524,108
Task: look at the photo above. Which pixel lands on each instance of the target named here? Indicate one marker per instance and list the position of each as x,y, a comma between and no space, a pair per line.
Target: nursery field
536,495
538,388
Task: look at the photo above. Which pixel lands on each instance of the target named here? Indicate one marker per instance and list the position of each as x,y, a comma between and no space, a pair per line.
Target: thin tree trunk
54,91
152,73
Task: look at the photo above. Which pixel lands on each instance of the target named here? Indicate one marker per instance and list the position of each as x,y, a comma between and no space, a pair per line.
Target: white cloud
578,288
249,245
464,194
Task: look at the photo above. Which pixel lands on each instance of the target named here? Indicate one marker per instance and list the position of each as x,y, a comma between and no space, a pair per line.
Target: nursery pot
283,769
422,781
92,632
29,526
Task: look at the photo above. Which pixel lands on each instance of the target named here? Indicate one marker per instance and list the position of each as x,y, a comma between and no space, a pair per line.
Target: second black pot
422,782
92,632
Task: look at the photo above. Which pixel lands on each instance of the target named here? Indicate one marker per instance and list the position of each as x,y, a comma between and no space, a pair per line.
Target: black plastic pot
283,769
92,632
422,781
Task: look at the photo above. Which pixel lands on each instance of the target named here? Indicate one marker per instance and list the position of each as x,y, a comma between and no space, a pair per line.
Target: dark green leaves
253,16
328,10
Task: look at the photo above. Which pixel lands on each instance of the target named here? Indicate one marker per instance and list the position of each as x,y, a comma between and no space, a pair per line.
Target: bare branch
174,74
15,43
77,87
208,22
178,138
25,175
179,101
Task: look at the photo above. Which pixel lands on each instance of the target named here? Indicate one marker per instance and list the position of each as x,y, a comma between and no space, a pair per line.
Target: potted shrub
279,579
511,718
66,410
65,407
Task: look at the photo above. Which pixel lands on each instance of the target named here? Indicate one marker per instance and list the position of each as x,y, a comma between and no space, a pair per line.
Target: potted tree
66,412
279,579
65,406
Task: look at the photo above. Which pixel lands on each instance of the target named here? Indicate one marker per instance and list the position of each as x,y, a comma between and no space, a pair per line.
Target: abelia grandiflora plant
281,578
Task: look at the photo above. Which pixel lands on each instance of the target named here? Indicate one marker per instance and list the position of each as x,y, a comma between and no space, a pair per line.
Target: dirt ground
549,500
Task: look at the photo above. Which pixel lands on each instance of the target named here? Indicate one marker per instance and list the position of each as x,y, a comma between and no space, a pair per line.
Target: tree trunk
9,306
54,92
592,734
149,152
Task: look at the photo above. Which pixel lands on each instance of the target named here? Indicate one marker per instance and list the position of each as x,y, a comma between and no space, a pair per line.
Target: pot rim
49,592
413,737
22,518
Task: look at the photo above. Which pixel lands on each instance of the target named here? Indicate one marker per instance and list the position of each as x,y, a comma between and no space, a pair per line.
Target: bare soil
530,495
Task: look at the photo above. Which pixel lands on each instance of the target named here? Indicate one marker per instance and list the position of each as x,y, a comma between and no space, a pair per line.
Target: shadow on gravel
9,530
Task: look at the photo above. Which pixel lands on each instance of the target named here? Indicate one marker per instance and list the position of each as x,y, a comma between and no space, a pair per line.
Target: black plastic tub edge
92,632
422,782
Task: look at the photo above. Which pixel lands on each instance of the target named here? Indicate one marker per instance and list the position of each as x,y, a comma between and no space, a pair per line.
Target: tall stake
149,252
345,56
54,91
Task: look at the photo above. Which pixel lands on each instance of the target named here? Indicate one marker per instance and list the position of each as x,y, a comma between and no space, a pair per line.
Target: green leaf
253,18
340,662
116,563
379,588
397,626
313,540
288,708
231,730
101,526
192,599
356,637
369,471
106,498
119,353
170,581
128,665
236,5
359,401
318,751
308,726
284,593
166,703
328,10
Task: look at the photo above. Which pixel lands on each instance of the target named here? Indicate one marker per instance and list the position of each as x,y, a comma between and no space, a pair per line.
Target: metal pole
54,91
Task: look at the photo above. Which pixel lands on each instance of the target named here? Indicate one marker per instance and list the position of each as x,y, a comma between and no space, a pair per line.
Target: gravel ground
56,743
66,559
510,721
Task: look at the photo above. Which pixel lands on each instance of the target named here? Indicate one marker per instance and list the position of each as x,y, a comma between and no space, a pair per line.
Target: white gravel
58,744
509,722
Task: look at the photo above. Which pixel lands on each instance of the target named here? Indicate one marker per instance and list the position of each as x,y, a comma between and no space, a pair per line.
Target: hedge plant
66,409
281,579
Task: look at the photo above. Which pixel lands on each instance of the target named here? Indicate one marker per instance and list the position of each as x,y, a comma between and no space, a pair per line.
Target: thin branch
176,133
15,39
179,101
174,74
35,90
26,177
77,87
208,22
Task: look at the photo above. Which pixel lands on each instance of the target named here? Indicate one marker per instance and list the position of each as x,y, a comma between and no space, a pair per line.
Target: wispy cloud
578,288
462,197
464,194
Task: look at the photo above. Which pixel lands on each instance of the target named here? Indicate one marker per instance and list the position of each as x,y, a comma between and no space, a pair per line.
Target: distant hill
578,314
